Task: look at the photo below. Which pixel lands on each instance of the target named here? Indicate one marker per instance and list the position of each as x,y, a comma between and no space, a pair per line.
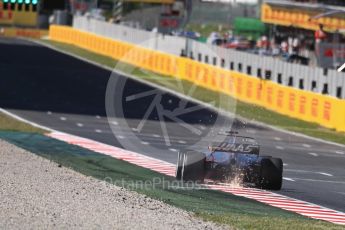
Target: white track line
25,120
182,96
325,174
267,197
80,125
314,154
163,167
220,111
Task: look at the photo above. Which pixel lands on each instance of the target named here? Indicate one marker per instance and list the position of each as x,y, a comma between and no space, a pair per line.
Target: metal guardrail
313,79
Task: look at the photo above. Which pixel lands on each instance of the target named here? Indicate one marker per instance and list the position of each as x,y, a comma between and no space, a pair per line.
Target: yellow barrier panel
300,18
308,106
22,32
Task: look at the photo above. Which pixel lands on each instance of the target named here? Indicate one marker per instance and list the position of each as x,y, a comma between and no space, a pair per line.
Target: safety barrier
312,79
22,32
300,16
156,41
324,110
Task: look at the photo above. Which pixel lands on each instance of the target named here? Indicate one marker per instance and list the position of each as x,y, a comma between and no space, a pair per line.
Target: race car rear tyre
271,173
193,167
179,163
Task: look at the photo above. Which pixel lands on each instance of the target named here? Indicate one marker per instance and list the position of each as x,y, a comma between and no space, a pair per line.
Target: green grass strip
8,123
245,110
223,208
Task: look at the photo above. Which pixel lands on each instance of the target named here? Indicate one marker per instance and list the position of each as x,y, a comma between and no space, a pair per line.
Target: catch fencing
313,107
314,79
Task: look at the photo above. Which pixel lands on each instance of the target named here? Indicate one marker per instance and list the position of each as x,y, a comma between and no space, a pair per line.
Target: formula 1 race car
235,158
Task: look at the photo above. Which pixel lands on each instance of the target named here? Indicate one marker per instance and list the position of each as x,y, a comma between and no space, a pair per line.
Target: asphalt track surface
66,94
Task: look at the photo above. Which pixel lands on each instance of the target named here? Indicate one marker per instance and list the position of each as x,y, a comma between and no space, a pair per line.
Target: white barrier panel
304,77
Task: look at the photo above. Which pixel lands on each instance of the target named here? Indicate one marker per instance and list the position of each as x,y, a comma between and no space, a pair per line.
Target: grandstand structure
19,12
306,17
29,13
301,14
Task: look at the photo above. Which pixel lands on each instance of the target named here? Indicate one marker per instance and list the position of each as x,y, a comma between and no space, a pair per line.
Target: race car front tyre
193,166
271,173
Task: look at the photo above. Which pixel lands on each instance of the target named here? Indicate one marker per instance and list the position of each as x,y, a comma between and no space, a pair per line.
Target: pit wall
308,106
